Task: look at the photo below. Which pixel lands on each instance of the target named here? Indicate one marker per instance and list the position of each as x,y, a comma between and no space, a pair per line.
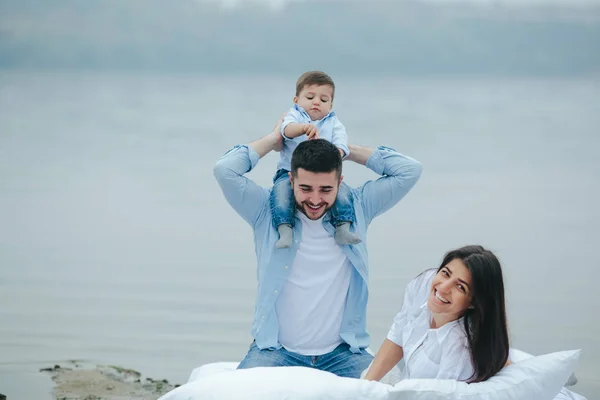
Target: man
312,297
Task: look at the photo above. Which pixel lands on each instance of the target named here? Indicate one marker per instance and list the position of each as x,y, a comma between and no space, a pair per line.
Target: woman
452,324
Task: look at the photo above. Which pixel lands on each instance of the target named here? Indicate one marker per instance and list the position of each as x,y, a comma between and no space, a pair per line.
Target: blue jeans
283,204
341,361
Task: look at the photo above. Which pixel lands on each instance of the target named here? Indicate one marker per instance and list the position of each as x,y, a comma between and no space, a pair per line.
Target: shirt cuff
252,155
376,162
284,124
346,151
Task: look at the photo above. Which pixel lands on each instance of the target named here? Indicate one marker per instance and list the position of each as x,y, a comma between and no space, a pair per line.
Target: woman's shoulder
417,290
421,283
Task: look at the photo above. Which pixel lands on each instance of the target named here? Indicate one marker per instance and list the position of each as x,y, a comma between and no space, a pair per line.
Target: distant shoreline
141,70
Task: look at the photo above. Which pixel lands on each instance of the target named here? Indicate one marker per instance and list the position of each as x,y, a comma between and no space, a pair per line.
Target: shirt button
275,291
286,267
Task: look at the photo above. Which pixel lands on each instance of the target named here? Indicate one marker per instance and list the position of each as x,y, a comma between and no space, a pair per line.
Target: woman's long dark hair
485,322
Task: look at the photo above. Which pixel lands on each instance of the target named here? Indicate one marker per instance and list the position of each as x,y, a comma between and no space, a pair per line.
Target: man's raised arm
247,198
359,154
399,174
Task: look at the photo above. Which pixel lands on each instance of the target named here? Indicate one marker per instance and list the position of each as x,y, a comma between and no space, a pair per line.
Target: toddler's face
316,100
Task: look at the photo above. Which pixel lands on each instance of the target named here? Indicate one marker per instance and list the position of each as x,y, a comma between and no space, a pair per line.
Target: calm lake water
117,247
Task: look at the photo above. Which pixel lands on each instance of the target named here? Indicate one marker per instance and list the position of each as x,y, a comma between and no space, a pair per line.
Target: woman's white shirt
440,353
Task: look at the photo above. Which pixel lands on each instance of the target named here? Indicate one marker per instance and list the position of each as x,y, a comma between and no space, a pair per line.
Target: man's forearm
359,154
244,195
266,144
399,174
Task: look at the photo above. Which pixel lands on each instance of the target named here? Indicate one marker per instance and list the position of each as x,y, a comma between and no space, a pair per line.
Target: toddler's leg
282,209
344,216
343,235
286,235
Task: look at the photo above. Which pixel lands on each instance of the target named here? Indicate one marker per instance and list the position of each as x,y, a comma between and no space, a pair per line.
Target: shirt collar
303,112
441,333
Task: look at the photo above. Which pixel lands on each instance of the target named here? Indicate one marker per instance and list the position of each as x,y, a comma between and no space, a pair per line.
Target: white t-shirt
440,353
311,304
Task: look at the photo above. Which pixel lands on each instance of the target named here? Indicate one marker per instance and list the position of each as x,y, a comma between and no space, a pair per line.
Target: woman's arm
388,355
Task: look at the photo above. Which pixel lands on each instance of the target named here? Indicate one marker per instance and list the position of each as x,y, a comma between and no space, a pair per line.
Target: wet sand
77,381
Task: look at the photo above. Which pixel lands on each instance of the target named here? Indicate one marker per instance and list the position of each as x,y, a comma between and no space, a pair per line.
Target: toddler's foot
343,234
285,236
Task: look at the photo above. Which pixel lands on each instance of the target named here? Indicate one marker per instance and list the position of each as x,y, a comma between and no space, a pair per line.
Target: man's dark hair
318,78
317,155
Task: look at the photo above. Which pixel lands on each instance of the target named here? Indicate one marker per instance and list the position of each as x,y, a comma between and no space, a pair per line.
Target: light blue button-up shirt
330,128
399,174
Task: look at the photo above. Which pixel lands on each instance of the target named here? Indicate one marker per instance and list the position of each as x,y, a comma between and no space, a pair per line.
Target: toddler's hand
311,131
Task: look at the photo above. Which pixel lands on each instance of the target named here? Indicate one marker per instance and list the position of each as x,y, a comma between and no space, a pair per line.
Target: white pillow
277,383
565,394
537,378
517,355
395,374
211,369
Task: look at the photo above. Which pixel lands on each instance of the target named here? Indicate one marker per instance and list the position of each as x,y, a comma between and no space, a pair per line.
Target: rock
50,369
2,397
56,368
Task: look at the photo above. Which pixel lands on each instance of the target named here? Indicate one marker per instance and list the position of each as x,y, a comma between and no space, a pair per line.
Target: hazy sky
524,2
380,36
279,5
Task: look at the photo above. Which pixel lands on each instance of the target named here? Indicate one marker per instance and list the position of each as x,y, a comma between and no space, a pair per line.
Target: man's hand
278,139
271,142
311,131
